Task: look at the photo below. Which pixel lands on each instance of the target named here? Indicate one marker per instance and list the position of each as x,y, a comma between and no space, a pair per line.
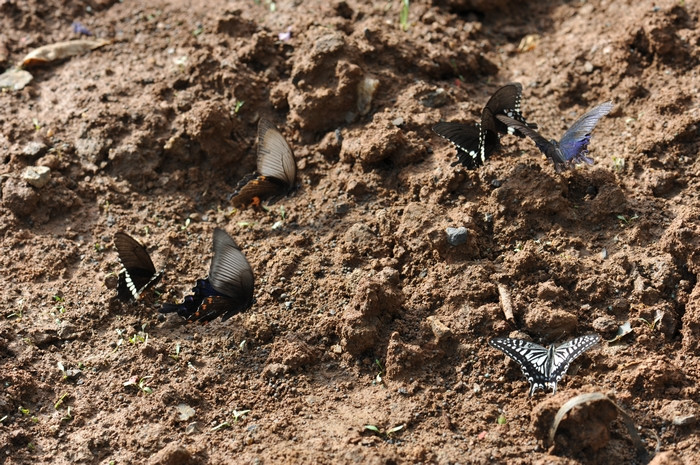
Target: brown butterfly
276,171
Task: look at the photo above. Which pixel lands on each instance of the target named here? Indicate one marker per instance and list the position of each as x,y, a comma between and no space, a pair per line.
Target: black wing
473,145
276,173
275,156
230,273
259,188
138,272
505,101
532,358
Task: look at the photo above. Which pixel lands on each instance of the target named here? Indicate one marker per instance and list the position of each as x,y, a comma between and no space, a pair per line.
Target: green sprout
239,414
624,221
19,312
238,106
140,383
403,16
24,411
36,124
618,163
387,434
222,425
187,224
198,31
141,336
67,417
59,304
502,419
379,378
176,355
60,400
3,419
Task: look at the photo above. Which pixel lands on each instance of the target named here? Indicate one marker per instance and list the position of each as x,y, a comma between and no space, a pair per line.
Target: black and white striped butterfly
228,289
138,272
573,146
476,143
544,366
276,169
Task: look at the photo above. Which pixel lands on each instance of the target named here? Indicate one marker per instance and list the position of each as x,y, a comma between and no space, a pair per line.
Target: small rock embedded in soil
18,197
435,99
171,454
457,236
36,176
34,149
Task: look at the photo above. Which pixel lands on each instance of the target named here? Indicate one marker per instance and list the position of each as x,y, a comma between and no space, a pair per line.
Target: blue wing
574,142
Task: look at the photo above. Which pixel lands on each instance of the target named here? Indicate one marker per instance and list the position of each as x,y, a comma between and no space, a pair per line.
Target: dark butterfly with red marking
276,169
544,366
138,272
573,146
476,143
227,291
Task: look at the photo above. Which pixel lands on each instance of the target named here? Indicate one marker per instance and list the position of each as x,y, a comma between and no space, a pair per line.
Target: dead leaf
61,50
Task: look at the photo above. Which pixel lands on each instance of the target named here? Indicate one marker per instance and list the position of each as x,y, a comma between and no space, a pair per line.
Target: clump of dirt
367,312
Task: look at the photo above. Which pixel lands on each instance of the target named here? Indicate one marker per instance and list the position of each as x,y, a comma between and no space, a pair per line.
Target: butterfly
573,146
276,169
476,143
137,273
544,367
227,291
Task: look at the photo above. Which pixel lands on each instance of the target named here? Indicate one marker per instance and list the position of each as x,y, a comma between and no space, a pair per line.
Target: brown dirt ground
365,315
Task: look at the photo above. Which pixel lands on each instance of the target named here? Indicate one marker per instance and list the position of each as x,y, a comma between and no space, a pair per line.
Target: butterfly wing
473,147
258,188
506,101
548,148
230,273
567,352
138,271
276,173
532,358
574,142
275,156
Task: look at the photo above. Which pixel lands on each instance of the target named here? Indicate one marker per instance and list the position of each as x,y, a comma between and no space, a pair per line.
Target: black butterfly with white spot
544,366
276,169
227,291
573,146
476,143
138,272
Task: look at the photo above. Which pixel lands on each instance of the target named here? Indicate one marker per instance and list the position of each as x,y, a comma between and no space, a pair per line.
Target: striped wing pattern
276,169
476,142
138,272
544,367
227,291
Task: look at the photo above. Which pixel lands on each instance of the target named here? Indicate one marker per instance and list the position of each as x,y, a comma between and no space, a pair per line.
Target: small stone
34,149
496,183
194,427
185,412
435,99
397,121
457,236
36,176
588,67
18,197
15,79
604,253
66,331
